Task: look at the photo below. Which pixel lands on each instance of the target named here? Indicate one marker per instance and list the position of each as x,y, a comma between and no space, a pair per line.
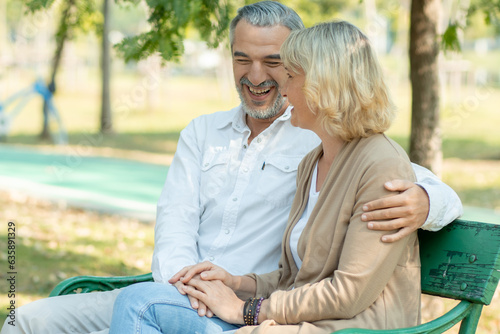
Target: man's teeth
258,92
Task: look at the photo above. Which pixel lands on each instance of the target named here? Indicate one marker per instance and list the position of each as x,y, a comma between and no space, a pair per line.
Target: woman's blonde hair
344,82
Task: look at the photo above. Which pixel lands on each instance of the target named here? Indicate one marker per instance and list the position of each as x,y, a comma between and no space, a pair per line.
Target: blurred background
81,183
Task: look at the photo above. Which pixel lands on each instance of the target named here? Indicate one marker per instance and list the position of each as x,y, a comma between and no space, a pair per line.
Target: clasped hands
210,290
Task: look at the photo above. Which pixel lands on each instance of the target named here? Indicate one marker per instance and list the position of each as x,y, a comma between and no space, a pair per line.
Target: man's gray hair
266,14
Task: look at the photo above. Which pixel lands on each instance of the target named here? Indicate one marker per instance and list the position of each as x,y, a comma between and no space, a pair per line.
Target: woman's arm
429,204
365,267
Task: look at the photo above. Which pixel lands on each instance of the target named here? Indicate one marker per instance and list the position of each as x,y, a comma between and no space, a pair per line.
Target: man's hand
206,271
406,211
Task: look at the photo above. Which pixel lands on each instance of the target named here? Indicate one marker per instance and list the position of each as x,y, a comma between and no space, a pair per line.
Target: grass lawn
55,242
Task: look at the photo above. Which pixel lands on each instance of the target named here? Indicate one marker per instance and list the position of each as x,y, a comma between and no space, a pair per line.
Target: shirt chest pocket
276,181
214,168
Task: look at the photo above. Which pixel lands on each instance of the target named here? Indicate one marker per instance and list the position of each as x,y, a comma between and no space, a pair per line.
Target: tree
170,19
75,15
106,116
78,16
61,36
425,140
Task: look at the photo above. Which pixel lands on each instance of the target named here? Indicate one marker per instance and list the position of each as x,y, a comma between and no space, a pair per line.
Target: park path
109,185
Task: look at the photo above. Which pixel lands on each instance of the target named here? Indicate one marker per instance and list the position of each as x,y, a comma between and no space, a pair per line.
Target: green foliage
76,15
169,20
314,11
490,10
449,40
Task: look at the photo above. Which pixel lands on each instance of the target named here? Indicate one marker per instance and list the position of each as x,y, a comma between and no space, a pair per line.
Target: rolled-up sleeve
444,203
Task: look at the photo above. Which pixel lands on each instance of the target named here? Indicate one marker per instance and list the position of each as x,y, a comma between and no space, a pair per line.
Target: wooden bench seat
462,262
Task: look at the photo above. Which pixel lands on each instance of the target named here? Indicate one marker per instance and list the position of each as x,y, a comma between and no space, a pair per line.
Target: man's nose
257,74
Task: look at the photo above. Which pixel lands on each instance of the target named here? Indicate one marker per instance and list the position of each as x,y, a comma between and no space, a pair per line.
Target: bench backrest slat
462,261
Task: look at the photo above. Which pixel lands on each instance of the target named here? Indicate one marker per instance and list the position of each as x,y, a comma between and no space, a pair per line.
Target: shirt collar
239,119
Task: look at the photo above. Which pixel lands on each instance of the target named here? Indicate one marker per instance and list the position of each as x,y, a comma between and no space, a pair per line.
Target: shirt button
235,199
287,167
206,164
211,258
244,146
245,170
259,140
227,231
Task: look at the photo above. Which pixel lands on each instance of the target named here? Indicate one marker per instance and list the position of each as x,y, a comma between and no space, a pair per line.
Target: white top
225,201
228,202
301,224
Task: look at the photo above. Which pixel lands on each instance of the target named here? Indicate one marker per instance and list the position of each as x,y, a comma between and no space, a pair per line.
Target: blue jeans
147,308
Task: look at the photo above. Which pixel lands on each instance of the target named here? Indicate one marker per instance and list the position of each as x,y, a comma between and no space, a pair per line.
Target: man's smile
259,91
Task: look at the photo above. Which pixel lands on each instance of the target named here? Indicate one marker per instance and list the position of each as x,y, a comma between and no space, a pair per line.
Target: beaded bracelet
257,311
251,311
246,309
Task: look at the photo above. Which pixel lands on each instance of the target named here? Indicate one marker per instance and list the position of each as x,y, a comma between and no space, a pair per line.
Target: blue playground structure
16,102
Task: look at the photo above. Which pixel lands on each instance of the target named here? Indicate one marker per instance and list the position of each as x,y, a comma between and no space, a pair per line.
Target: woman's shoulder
381,155
380,146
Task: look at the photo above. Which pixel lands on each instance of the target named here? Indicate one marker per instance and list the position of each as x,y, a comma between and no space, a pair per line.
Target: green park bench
462,262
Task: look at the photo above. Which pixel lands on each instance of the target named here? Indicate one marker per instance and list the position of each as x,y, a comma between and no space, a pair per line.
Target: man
231,183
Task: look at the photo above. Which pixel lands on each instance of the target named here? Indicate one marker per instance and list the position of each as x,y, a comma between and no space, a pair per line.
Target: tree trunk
425,139
106,117
61,37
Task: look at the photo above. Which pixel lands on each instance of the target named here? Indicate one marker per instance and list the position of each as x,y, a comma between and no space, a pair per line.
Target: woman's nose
283,88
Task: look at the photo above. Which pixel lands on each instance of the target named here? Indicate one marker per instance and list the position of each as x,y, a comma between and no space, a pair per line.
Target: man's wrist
431,215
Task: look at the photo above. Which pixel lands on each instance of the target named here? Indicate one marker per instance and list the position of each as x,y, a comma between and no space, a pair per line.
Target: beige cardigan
348,276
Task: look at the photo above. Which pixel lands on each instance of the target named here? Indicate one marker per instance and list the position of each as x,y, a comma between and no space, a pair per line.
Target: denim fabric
77,314
148,308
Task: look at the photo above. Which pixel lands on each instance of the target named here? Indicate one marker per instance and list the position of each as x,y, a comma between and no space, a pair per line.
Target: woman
334,273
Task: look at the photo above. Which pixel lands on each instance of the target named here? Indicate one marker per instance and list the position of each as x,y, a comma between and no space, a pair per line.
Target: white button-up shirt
227,201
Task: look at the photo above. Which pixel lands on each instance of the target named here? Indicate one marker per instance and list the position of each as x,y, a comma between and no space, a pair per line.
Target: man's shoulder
203,125
218,117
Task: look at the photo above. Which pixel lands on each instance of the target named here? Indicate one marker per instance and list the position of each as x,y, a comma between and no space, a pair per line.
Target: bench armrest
465,310
84,284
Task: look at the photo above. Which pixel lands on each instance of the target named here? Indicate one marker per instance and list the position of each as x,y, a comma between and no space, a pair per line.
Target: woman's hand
219,298
207,272
195,303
